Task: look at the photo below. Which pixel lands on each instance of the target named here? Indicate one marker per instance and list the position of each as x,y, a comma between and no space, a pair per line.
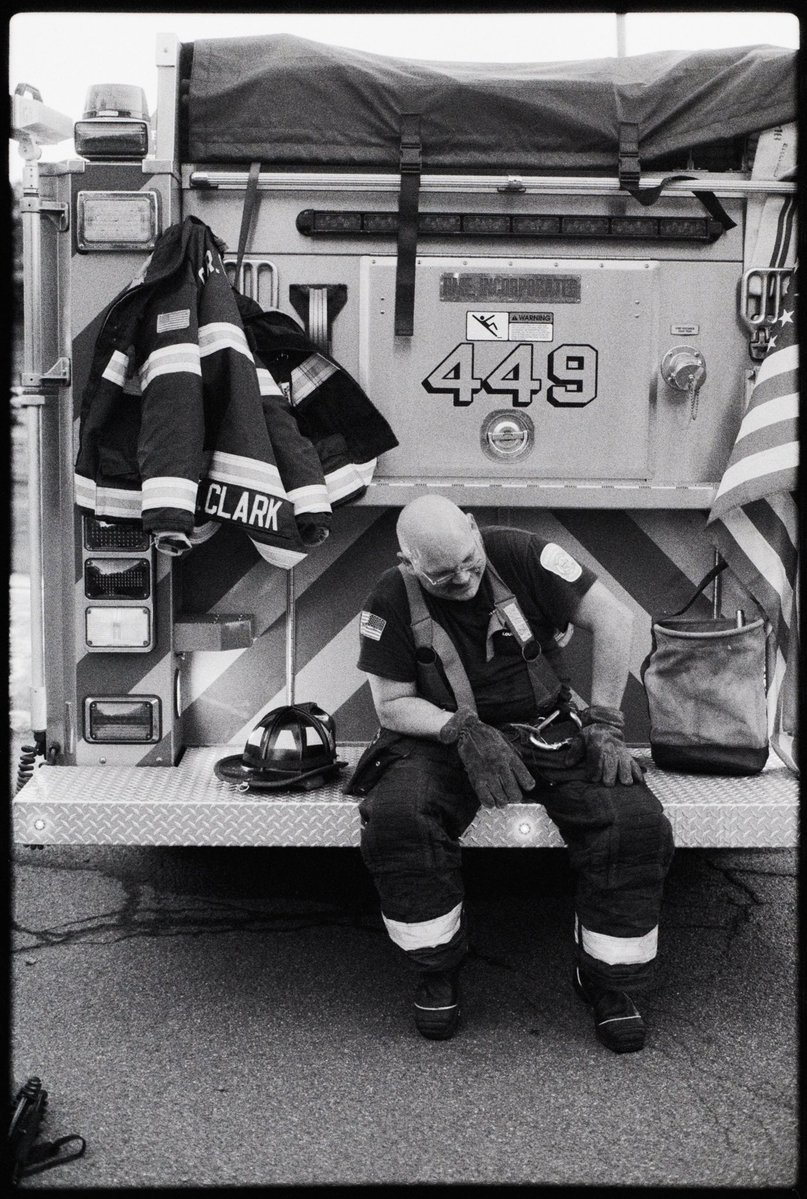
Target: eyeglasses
473,560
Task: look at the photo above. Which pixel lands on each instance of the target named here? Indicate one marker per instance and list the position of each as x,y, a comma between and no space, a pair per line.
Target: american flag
754,518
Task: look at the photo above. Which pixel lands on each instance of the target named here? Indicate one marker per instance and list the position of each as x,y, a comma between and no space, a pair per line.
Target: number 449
572,370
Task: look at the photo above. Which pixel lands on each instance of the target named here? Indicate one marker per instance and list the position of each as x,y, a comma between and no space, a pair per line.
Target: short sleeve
558,578
386,646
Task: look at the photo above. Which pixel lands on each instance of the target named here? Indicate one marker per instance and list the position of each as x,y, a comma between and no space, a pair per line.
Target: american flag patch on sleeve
166,321
371,626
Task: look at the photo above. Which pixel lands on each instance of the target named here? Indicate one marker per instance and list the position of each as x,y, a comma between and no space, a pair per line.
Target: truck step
187,805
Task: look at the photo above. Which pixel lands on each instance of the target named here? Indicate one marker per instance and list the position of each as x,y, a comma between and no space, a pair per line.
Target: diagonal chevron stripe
678,537
326,605
258,590
634,560
326,679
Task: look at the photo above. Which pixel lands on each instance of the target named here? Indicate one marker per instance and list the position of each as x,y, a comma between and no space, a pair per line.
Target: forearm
412,715
610,665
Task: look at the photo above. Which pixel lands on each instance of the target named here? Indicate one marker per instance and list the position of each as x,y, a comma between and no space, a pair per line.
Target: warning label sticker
531,326
509,326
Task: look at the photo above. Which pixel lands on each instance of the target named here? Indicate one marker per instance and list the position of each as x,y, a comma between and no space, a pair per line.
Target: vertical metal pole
717,590
620,34
291,636
318,332
31,378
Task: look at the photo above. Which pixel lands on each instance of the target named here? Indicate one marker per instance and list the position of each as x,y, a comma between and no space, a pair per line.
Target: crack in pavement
755,1090
132,921
732,1083
211,917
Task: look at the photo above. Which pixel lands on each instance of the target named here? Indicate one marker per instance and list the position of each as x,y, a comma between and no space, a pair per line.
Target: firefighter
457,641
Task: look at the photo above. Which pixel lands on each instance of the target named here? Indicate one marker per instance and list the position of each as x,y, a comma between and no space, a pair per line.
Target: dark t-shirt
548,584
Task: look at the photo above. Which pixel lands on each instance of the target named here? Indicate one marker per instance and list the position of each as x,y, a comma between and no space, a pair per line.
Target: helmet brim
235,770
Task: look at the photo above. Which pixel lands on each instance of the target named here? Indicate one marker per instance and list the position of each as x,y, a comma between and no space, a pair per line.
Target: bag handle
719,566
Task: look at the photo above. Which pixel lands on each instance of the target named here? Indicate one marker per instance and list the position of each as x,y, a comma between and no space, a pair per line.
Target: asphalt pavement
238,1017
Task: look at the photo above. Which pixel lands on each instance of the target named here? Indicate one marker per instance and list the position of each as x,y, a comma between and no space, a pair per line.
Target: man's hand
495,771
601,741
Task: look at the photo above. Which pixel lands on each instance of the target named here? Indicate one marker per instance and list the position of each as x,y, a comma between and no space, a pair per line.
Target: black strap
411,163
704,583
246,215
49,1154
630,173
648,195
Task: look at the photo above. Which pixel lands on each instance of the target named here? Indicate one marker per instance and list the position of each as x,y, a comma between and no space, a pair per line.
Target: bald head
432,524
443,545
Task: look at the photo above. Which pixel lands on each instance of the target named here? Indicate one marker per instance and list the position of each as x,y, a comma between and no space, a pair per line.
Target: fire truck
555,281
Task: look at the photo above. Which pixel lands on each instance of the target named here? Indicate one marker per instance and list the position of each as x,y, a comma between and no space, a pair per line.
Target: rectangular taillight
111,138
118,627
117,578
107,220
131,718
117,535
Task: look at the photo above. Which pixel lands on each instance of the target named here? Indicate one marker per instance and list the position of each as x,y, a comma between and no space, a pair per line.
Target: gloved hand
495,771
601,741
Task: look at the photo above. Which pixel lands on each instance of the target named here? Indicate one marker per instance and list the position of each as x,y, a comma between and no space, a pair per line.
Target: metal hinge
34,384
56,210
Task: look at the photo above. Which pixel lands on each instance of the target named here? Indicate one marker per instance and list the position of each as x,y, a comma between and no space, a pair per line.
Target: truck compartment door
519,368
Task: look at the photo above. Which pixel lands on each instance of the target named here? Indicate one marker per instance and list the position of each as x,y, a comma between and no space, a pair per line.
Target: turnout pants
619,842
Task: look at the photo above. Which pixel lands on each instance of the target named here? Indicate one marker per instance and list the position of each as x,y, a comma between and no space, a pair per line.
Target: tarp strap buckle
630,170
410,164
630,174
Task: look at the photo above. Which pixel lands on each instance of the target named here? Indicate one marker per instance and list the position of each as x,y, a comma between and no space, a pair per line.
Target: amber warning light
115,124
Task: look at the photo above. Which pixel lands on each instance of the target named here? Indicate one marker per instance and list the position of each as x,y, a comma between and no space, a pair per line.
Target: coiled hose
27,764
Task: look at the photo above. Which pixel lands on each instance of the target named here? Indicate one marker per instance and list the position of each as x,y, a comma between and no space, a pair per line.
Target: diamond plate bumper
188,805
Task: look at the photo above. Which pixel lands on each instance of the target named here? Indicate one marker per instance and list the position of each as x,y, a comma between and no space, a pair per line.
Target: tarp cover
290,102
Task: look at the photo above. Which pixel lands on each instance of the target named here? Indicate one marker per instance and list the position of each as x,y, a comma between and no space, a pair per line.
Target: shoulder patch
556,560
372,626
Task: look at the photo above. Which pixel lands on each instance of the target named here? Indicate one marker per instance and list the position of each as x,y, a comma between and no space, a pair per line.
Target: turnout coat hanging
326,407
172,429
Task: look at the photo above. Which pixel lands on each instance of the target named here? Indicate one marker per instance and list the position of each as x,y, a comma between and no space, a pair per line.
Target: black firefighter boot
617,1023
437,1004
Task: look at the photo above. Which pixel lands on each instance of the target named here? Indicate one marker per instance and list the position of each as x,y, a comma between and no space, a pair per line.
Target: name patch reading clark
472,287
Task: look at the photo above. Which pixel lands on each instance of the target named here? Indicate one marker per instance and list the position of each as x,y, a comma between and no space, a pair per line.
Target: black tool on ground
24,1153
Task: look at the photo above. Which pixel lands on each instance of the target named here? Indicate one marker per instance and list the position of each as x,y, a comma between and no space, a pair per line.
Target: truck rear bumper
187,805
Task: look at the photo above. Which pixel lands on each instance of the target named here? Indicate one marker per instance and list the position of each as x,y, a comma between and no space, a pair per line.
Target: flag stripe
781,434
778,408
753,474
776,365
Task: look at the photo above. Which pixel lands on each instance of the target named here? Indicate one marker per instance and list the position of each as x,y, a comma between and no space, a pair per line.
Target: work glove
495,771
601,742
